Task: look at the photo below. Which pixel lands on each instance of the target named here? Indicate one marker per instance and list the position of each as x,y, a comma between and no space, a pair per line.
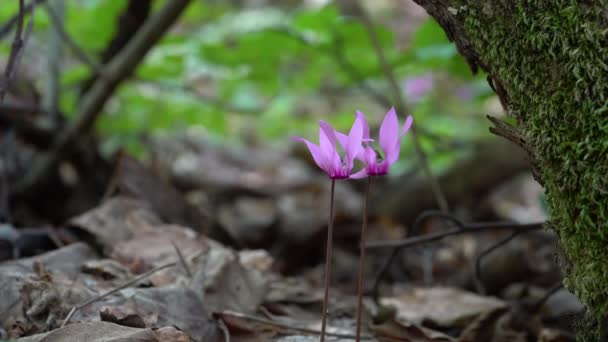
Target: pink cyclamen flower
326,155
390,142
417,87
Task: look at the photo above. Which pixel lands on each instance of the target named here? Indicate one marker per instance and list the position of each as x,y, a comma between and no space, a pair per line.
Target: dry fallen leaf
442,306
106,332
42,288
492,326
393,330
224,283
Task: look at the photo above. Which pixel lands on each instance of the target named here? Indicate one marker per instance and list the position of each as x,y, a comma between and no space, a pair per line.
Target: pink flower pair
356,145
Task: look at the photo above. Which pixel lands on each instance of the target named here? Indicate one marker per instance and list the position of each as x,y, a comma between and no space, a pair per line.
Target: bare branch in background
401,106
78,51
135,15
7,151
8,26
55,57
115,72
16,46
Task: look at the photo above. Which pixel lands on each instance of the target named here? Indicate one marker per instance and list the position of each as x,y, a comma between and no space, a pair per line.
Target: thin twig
440,198
65,36
182,260
25,38
8,25
53,236
224,330
360,282
461,228
288,327
114,290
330,232
54,60
471,228
477,275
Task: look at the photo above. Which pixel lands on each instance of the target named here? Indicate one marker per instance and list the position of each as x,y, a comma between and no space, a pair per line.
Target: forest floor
207,243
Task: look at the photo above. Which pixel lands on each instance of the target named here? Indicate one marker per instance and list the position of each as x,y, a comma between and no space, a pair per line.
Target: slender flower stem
330,233
360,283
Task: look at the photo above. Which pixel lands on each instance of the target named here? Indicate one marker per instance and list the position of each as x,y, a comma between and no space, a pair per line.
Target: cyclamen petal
359,174
327,137
355,137
326,155
361,117
390,142
326,141
316,153
389,131
407,125
342,139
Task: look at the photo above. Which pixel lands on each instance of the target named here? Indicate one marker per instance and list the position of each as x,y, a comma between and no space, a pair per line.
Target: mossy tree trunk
548,62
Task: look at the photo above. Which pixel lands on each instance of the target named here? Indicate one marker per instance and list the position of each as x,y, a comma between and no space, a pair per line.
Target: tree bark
548,62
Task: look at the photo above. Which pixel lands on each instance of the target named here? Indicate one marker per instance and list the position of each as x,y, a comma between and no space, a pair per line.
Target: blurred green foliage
267,73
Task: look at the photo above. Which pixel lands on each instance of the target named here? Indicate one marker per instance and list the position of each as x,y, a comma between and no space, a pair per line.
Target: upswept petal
342,139
370,158
327,142
389,132
361,117
407,125
316,153
392,155
353,145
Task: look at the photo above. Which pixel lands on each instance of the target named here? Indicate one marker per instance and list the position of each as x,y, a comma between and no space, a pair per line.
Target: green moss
551,57
588,328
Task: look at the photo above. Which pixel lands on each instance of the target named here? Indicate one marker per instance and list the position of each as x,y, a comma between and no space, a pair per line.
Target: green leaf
92,23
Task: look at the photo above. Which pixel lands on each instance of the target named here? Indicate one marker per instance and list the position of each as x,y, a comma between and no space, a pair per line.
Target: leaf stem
330,232
360,282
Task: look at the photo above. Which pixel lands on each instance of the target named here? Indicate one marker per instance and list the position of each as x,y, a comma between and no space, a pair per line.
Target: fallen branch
477,275
461,228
